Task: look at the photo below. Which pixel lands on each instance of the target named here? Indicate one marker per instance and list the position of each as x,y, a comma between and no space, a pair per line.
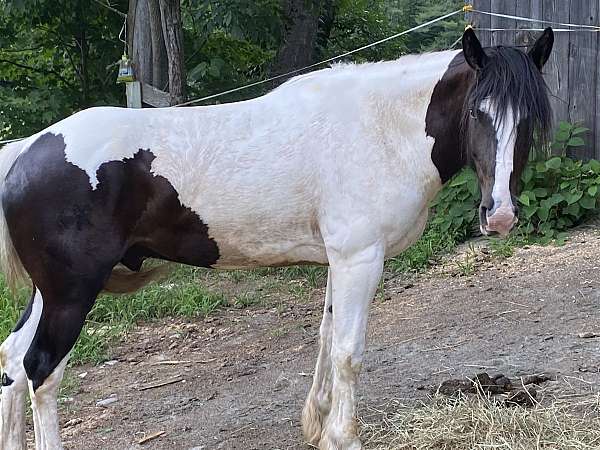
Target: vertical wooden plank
483,21
503,7
527,39
556,71
597,64
582,73
536,12
524,8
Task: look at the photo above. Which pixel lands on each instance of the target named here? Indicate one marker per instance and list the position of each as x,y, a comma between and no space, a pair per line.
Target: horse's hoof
332,442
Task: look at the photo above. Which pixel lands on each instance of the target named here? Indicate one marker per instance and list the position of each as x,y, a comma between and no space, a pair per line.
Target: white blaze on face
501,218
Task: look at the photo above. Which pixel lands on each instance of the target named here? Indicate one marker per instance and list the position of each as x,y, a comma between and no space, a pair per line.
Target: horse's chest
407,233
404,216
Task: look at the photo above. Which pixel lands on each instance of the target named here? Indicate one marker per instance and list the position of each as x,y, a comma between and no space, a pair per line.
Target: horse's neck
427,89
401,78
444,118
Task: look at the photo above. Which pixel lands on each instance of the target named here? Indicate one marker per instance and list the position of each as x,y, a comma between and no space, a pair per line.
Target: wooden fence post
133,90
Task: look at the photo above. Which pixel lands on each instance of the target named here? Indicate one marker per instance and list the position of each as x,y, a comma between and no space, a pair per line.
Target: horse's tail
10,263
123,280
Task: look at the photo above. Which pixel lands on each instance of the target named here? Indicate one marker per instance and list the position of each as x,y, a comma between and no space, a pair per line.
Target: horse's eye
472,114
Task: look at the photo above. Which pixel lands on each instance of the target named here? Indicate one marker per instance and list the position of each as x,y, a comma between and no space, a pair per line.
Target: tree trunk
173,33
139,39
299,35
306,32
146,42
160,66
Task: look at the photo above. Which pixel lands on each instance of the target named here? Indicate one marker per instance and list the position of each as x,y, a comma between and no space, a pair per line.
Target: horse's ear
540,52
474,54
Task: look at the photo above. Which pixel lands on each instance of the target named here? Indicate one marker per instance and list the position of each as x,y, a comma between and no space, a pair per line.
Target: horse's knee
46,357
348,364
38,366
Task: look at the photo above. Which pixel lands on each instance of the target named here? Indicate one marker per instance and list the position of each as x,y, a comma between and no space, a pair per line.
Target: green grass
10,307
188,292
427,250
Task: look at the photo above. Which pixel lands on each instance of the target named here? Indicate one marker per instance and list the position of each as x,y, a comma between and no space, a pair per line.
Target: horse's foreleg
318,402
14,380
354,280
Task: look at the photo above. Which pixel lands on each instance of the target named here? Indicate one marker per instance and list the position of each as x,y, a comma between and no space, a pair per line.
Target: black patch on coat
6,380
443,119
69,236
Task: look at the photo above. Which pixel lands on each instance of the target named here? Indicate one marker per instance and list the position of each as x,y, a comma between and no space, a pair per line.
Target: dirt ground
240,377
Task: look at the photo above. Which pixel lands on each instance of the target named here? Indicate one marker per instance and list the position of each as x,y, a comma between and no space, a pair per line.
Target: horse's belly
261,248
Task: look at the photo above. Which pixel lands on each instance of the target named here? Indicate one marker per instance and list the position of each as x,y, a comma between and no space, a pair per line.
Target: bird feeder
125,70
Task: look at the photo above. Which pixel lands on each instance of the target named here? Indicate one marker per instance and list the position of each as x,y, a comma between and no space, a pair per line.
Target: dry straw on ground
474,422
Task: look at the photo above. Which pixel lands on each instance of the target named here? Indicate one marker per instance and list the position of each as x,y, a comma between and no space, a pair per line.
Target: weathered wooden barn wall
573,73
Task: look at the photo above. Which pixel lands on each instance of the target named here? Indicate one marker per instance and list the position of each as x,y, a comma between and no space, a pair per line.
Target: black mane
511,79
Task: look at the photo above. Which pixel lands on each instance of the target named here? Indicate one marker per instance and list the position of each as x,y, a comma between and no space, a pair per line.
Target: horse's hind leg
318,402
65,307
14,379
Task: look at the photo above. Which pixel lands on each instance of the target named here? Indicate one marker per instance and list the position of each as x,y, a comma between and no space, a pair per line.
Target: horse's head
505,107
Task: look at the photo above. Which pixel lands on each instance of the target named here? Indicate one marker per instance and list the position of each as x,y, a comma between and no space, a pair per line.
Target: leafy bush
455,207
568,135
557,194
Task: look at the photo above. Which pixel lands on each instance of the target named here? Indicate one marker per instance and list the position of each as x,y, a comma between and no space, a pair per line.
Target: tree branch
35,69
19,50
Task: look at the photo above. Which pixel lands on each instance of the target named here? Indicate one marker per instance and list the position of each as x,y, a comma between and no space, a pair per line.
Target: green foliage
456,205
432,244
229,44
454,216
55,58
181,296
558,194
567,135
439,36
10,308
360,22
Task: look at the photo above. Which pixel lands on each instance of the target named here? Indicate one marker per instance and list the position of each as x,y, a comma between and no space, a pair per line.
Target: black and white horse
335,167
